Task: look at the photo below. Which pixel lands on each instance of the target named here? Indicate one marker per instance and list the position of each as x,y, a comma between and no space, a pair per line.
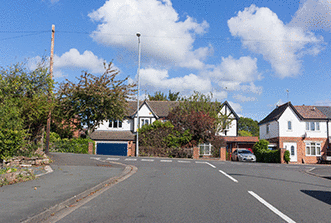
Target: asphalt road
172,190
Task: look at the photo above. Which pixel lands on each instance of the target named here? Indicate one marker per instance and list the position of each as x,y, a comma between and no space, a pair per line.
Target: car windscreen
245,152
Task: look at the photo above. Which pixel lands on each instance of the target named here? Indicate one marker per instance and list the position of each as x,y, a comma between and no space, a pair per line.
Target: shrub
73,145
263,154
287,156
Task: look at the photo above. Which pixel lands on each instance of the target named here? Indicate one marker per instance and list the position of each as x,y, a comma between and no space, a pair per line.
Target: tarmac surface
72,175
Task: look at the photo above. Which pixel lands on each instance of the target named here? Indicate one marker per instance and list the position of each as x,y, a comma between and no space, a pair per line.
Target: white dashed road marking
112,158
166,161
147,160
183,161
95,158
211,165
130,159
200,162
228,176
272,208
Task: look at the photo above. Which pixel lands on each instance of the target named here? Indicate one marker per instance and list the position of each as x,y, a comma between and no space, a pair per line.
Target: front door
292,148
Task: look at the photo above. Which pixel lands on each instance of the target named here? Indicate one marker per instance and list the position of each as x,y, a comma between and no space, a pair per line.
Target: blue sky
253,54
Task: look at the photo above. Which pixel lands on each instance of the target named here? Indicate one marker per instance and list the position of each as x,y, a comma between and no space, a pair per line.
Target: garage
114,149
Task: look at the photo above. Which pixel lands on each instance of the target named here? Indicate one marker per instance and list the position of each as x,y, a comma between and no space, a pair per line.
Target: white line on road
312,168
211,165
200,162
147,160
95,158
130,159
166,161
112,158
272,208
183,161
228,176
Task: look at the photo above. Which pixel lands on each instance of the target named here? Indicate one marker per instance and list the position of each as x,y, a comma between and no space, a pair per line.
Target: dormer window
115,124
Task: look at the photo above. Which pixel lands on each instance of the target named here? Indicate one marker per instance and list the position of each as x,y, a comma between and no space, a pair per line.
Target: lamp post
138,86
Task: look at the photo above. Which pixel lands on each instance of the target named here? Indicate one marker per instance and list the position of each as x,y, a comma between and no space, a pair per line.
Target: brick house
303,130
114,137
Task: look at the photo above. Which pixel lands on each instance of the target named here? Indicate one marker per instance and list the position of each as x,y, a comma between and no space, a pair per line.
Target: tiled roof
276,113
326,110
241,139
112,135
310,112
160,108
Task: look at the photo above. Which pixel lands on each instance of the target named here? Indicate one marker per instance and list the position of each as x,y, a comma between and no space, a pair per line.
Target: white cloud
242,70
73,59
263,32
313,15
326,102
236,107
163,35
243,98
160,79
232,74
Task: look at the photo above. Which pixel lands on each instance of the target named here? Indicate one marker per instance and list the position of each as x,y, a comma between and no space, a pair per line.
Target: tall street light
138,77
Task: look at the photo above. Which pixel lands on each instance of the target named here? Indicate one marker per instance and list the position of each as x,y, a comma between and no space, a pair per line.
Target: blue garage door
116,149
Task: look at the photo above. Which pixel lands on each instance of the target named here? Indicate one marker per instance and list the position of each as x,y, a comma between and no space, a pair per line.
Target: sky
255,54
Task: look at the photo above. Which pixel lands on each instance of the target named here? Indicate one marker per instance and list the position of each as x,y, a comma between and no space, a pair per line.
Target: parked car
243,155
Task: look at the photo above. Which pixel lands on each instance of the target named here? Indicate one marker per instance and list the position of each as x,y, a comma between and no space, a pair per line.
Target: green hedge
264,155
73,145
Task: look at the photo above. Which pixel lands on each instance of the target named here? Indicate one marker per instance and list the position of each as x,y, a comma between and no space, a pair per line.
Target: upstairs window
115,124
268,129
289,125
312,126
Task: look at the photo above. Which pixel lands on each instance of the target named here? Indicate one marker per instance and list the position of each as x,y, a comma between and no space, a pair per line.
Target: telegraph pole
48,127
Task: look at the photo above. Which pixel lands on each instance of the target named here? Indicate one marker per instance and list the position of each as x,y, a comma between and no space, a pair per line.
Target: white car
243,155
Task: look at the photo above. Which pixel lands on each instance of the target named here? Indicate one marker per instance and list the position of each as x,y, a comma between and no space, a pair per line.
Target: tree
24,106
248,125
94,99
198,115
174,96
158,96
244,133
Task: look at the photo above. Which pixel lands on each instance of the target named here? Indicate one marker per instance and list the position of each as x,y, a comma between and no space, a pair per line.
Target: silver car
243,155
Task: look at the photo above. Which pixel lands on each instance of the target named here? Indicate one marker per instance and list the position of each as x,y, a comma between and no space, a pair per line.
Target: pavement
71,177
321,170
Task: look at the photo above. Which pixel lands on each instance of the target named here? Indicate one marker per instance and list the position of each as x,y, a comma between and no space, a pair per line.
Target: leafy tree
200,116
94,99
244,133
24,106
158,96
248,125
173,96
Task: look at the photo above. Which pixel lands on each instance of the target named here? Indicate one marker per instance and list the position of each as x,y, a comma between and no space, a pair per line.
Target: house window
144,121
312,126
268,129
205,149
115,124
313,149
289,125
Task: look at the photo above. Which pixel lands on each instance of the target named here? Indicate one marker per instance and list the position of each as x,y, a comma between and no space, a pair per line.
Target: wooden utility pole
48,127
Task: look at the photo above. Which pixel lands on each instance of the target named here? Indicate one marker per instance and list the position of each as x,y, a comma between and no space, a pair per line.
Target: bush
73,145
263,154
165,152
287,156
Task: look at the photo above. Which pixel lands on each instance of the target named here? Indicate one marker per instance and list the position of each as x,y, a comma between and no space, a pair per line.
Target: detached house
302,130
114,137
